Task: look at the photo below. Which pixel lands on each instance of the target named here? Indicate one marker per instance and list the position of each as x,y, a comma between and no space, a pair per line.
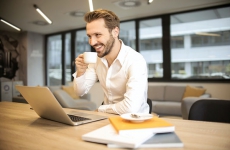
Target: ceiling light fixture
90,5
76,13
150,1
9,24
129,3
41,23
42,14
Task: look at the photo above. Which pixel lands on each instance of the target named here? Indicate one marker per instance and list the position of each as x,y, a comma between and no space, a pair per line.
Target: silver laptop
46,106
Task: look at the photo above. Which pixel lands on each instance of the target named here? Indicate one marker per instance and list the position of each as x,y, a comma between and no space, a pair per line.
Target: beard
107,47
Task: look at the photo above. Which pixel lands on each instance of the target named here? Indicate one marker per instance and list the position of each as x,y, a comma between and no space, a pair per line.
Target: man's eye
97,35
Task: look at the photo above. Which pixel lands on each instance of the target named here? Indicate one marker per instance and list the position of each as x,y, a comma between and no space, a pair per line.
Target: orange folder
154,125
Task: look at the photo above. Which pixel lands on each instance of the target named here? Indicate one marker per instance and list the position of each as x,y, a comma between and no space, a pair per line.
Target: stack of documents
122,133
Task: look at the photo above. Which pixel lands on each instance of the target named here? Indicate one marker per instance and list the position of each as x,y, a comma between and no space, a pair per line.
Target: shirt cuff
80,79
107,109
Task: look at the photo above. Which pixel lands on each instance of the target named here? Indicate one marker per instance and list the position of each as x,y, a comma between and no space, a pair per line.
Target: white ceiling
22,13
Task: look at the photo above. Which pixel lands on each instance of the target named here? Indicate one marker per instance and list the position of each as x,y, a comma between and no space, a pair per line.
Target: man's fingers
80,65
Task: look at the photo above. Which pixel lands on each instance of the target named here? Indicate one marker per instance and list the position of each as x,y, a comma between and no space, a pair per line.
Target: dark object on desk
210,110
149,101
19,99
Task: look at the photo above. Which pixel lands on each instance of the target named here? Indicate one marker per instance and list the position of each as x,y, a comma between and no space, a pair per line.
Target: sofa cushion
174,93
54,88
166,108
156,92
70,91
193,91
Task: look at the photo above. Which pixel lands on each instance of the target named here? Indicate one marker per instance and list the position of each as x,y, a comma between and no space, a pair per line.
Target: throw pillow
193,91
70,91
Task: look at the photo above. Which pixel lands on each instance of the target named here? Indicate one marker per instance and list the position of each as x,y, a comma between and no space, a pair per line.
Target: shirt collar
121,54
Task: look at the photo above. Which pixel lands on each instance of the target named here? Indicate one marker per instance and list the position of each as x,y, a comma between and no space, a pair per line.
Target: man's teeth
98,47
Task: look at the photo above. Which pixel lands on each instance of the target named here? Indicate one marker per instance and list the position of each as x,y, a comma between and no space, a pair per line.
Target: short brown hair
111,20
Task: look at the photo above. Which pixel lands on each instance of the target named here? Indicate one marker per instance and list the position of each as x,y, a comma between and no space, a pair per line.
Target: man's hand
80,65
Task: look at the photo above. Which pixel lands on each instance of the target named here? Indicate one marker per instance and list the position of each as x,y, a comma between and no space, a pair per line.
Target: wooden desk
21,128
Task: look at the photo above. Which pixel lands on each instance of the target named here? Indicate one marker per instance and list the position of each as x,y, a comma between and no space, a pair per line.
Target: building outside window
206,40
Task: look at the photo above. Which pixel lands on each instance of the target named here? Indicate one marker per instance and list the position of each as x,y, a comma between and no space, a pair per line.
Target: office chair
210,110
149,101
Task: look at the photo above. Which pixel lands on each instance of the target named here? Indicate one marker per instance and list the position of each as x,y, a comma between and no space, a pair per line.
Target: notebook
43,102
108,135
158,140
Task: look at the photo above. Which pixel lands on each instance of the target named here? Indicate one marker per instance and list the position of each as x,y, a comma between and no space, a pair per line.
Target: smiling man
121,71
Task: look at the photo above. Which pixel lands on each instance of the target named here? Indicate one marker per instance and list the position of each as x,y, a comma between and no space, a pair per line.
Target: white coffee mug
90,57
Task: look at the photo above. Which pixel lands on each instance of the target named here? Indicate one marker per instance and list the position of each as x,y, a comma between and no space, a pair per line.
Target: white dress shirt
124,83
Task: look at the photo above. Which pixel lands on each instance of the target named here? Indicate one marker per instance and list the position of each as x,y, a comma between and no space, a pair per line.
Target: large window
54,61
203,51
128,33
150,46
186,46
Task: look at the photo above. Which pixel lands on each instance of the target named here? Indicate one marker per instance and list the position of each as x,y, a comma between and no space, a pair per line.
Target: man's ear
115,32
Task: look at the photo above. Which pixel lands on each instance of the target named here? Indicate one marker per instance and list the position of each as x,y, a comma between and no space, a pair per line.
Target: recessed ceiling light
130,3
76,14
41,23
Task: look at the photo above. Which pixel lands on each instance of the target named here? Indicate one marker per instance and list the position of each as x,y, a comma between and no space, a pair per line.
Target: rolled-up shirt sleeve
108,109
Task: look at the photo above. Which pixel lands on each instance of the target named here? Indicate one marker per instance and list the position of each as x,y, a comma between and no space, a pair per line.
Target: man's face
99,37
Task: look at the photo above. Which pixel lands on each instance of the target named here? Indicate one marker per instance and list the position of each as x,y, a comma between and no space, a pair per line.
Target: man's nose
92,41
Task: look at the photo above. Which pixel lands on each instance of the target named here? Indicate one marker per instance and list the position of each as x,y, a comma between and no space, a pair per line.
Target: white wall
217,90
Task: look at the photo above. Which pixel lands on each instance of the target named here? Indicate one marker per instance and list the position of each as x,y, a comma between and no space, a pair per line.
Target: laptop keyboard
77,118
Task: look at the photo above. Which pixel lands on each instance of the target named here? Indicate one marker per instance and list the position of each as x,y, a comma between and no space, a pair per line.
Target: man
121,71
